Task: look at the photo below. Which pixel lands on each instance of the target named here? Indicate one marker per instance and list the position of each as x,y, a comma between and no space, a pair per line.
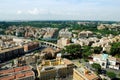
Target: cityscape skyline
60,10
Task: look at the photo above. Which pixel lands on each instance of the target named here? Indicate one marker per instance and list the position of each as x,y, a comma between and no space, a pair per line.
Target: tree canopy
97,50
97,67
115,49
87,51
111,75
73,49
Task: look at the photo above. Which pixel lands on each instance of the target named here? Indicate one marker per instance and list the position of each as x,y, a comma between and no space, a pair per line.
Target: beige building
63,42
101,27
84,34
31,46
82,73
52,69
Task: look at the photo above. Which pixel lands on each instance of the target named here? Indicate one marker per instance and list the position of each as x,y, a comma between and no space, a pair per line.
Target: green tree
97,50
97,67
73,50
115,49
111,75
119,74
86,52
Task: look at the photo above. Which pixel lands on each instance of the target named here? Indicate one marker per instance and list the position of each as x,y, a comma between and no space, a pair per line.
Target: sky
108,10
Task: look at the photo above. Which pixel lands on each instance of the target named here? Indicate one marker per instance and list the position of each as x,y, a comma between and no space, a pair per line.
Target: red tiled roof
7,71
29,73
18,75
26,67
3,72
18,69
8,78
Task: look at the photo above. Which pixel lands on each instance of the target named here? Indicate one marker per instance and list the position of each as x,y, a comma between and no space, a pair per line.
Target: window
103,64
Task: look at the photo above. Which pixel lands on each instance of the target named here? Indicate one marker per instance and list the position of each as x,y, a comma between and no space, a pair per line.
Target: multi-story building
52,69
85,34
28,31
85,41
63,42
31,46
49,33
65,33
6,54
12,47
83,73
105,60
18,73
111,27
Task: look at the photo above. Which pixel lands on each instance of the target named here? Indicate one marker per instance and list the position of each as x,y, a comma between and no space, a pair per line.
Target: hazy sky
60,10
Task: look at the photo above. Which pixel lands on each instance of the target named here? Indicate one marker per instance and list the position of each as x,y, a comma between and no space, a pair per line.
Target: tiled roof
13,70
16,73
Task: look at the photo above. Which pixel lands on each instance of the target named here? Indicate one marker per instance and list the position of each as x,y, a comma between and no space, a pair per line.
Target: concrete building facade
105,60
7,54
54,69
31,46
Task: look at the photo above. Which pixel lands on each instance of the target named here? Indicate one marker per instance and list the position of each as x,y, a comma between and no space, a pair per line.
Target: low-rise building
83,73
105,60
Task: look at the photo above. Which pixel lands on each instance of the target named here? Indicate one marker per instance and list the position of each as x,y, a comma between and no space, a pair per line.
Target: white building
105,60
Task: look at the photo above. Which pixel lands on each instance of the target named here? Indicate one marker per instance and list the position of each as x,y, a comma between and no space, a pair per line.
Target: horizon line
56,20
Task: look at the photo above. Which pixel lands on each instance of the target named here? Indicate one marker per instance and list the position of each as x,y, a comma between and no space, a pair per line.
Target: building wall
63,42
62,72
2,57
105,63
60,69
47,75
31,46
70,69
112,62
11,53
96,59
